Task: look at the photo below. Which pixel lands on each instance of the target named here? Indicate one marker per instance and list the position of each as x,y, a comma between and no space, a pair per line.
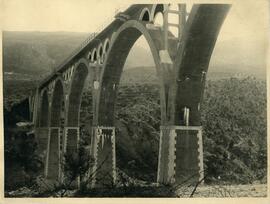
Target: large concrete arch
193,58
190,65
155,9
114,63
73,106
145,15
55,141
104,149
75,93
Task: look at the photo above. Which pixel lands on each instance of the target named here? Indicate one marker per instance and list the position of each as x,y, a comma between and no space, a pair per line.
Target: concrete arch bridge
181,61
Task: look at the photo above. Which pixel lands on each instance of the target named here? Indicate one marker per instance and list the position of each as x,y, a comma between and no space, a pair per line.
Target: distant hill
37,52
139,75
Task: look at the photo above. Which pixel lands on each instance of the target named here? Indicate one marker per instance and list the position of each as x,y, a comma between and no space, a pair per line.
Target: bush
22,163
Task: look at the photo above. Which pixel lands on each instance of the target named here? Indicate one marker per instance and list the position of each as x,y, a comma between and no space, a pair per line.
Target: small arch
100,51
94,55
155,9
111,76
89,56
145,15
106,45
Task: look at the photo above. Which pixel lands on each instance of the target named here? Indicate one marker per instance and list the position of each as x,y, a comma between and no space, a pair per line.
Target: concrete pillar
104,170
41,134
71,145
36,109
52,170
180,155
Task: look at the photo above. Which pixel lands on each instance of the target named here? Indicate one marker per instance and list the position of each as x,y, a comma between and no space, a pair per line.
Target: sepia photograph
126,99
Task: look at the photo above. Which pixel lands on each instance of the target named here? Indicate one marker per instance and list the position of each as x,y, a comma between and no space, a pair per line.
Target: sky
243,35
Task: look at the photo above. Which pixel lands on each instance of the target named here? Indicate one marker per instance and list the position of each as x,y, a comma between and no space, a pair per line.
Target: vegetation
234,124
37,53
233,120
22,162
234,130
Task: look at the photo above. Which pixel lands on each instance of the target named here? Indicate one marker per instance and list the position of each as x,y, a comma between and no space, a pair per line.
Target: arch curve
94,55
112,69
145,15
80,74
106,45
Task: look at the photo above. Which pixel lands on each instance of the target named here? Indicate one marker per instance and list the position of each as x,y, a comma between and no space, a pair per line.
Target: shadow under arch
123,41
193,58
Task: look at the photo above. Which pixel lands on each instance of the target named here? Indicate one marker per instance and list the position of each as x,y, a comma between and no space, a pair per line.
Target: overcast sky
243,33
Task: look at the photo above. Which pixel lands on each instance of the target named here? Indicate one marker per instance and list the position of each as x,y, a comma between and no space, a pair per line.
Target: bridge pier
53,166
41,134
180,155
103,147
70,147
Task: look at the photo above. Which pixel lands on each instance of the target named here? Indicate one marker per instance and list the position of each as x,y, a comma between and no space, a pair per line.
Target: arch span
156,8
145,15
75,93
110,78
115,61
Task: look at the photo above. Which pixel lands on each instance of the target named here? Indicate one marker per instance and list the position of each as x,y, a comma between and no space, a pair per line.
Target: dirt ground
252,190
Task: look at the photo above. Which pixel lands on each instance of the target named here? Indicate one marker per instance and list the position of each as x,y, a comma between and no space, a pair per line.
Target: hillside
233,115
37,52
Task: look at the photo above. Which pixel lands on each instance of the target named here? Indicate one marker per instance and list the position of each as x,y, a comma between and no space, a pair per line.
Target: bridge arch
113,68
58,103
106,45
75,93
44,109
145,15
89,55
